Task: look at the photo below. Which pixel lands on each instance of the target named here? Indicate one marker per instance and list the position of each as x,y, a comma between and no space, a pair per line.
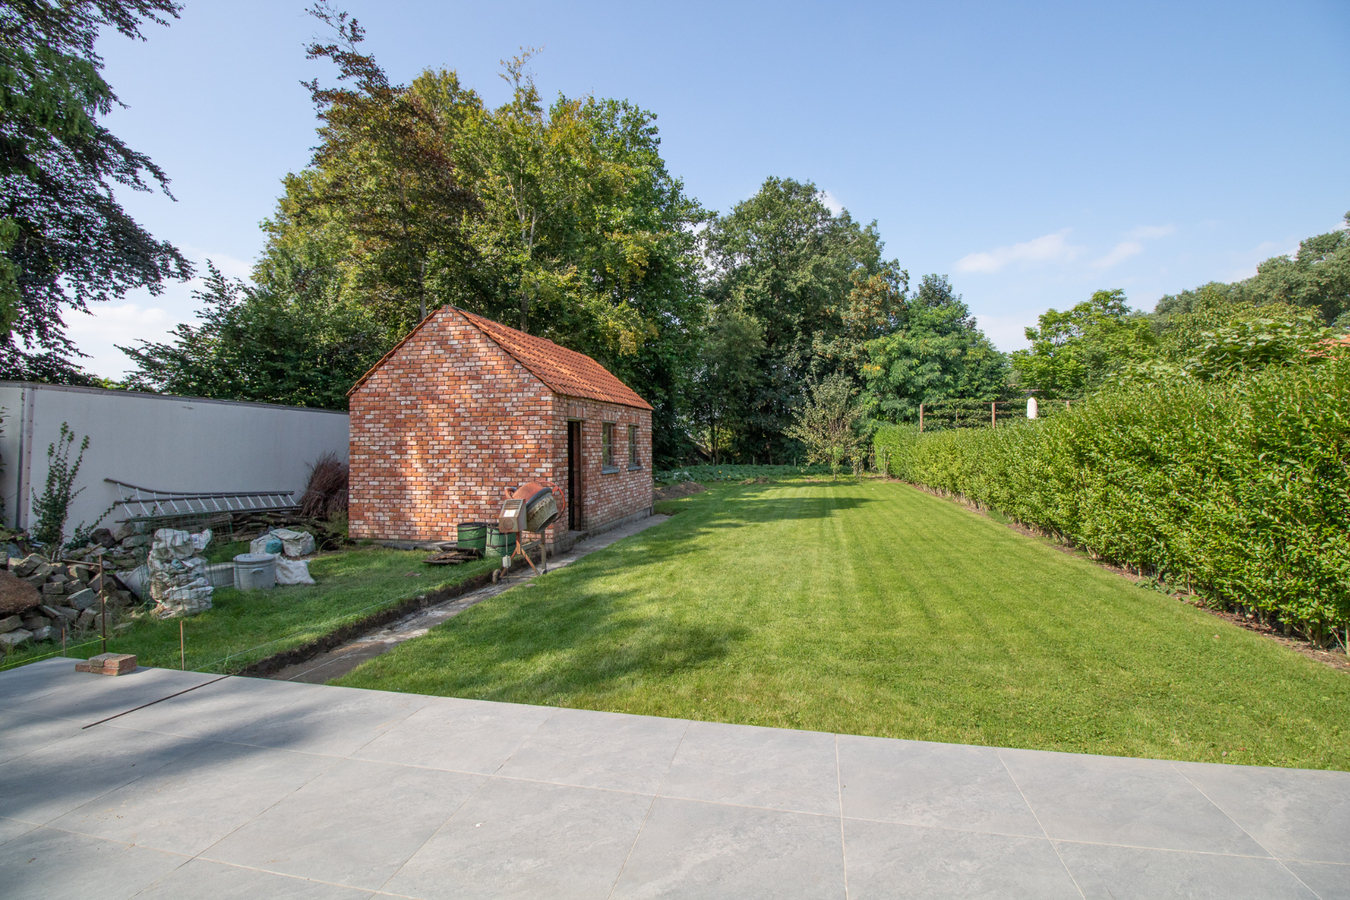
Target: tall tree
728,366
1316,278
293,339
561,219
937,354
383,179
818,283
1073,352
64,240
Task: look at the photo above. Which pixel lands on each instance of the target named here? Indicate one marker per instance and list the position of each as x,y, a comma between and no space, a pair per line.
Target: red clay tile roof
568,372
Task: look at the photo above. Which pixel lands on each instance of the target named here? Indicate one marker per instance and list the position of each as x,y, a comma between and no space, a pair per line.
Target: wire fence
13,664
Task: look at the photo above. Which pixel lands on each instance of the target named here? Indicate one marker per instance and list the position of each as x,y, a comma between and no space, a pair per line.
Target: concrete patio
252,788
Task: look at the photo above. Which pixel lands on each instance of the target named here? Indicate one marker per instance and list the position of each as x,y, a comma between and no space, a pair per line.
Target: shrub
51,509
1239,490
326,490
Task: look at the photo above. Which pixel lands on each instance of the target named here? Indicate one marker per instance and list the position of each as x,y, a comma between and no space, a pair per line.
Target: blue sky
1032,152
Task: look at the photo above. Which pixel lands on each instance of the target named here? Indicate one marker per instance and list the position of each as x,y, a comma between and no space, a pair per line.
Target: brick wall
449,419
607,495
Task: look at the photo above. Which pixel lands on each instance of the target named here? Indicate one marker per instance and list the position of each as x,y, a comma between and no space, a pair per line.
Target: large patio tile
332,722
203,880
12,828
769,767
1114,800
887,860
86,697
599,750
220,709
921,783
194,801
1130,873
23,684
693,849
22,733
1329,880
39,786
524,839
460,735
47,864
1293,813
355,825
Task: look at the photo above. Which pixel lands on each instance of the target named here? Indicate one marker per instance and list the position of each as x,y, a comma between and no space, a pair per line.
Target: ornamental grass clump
1238,490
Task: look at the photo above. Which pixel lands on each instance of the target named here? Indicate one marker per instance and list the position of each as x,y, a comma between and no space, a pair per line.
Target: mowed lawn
868,607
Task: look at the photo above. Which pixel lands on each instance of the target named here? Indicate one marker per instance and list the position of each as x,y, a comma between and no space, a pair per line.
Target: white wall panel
155,441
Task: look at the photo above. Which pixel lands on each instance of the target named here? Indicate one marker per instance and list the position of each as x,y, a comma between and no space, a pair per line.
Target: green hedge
1239,490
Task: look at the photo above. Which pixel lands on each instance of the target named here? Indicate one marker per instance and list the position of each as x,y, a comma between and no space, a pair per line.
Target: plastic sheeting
283,540
293,571
178,582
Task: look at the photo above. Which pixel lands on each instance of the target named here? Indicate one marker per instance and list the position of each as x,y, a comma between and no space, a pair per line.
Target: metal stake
182,653
103,603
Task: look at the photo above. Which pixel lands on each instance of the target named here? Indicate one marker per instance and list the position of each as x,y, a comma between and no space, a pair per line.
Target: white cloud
1150,232
831,203
1048,248
1119,253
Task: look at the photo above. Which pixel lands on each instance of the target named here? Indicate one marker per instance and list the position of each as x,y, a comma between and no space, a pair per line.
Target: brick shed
464,407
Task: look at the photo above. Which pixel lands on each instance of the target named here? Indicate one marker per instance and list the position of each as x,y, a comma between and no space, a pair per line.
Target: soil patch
676,491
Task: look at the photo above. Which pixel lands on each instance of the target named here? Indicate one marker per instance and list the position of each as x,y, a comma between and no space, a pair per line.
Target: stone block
10,623
59,612
53,589
122,530
83,600
33,623
36,581
26,566
44,569
58,578
79,573
11,640
46,633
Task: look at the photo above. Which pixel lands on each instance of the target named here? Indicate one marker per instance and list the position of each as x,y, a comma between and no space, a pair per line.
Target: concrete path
250,788
341,660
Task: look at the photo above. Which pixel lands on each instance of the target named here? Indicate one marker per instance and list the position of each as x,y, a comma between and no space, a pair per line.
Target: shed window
607,446
632,447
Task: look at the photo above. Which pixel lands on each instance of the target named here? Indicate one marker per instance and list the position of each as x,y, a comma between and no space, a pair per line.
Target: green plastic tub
471,536
499,543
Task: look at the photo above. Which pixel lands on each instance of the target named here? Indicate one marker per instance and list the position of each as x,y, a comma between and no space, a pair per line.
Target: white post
1031,407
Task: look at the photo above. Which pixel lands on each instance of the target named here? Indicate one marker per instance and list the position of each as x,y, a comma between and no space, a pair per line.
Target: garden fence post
920,418
993,414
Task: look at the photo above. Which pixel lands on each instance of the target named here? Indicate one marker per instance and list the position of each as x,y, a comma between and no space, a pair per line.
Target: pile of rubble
40,599
120,547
